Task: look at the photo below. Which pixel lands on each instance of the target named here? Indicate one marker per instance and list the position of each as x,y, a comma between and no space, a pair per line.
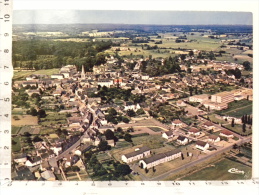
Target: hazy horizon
131,17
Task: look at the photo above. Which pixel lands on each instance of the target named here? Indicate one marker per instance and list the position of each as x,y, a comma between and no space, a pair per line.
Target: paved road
74,146
202,159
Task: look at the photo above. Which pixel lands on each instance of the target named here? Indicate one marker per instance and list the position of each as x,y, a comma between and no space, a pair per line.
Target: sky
132,17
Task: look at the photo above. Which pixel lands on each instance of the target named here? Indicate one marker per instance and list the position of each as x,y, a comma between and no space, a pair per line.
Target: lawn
15,130
214,119
23,74
238,128
220,172
238,108
102,157
16,147
151,141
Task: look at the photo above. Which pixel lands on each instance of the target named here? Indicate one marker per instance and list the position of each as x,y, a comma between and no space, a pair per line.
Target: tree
112,112
233,123
75,168
246,65
244,128
37,139
127,137
146,170
26,134
33,112
125,120
109,134
42,113
154,170
131,113
119,129
103,145
14,142
140,111
122,169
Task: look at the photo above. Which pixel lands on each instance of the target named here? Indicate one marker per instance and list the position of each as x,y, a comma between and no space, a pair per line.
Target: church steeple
83,72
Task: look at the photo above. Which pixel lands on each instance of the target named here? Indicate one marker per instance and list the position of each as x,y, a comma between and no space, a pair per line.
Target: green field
151,141
19,75
15,130
220,172
214,119
239,129
238,108
16,147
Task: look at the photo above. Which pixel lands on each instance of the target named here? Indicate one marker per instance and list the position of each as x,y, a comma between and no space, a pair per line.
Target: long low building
160,158
139,153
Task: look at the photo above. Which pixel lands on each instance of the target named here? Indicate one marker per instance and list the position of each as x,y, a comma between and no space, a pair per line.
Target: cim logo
236,171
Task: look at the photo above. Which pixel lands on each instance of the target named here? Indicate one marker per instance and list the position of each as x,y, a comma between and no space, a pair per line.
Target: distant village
82,97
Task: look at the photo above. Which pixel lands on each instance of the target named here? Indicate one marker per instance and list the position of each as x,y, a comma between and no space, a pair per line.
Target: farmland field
220,172
25,120
22,74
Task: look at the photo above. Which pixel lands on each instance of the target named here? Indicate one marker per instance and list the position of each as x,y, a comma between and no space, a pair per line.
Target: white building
139,153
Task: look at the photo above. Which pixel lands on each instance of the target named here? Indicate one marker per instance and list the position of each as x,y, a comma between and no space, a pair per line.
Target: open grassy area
19,75
54,118
238,108
15,130
220,172
151,141
238,128
17,146
214,119
102,157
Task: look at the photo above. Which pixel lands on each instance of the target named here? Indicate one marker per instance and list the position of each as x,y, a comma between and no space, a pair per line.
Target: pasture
220,172
22,74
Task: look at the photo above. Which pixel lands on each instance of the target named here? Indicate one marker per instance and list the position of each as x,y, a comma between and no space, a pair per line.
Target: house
214,138
202,145
48,175
223,97
57,76
160,158
167,134
74,121
180,103
215,105
194,131
20,158
199,98
208,125
131,106
33,161
111,142
177,123
33,91
182,140
105,82
226,133
139,153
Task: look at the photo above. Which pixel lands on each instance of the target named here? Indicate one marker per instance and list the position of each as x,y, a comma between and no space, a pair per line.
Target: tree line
46,54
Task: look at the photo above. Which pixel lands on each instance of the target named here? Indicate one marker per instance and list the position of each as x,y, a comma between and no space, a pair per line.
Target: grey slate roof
135,153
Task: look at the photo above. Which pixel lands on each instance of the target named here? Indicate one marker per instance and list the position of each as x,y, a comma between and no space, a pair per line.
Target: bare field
25,120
